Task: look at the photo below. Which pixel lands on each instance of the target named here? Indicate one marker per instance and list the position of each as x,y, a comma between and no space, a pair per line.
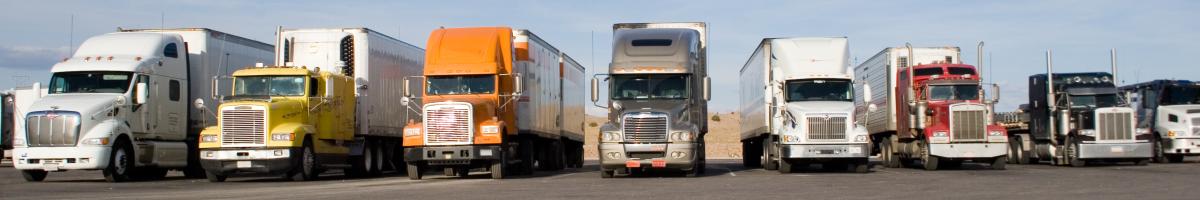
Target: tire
213,177
766,161
448,171
1073,154
34,175
1015,151
860,166
888,152
120,163
604,173
462,172
930,162
786,166
414,171
498,169
1000,163
308,167
701,159
750,157
1159,155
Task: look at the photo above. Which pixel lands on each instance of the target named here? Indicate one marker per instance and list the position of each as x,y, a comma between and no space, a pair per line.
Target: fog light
95,141
83,160
208,154
678,154
861,138
614,155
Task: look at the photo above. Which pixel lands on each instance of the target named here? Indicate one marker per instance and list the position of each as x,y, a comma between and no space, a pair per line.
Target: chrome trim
968,123
52,128
448,123
1115,125
645,126
826,126
244,127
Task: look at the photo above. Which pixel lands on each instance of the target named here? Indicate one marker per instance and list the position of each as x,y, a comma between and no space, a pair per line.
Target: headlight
95,141
940,137
1088,132
861,138
490,129
412,132
281,137
940,134
995,133
682,136
612,137
790,138
208,138
1142,131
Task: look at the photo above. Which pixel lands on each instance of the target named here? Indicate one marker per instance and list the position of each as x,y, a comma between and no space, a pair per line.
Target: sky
1149,35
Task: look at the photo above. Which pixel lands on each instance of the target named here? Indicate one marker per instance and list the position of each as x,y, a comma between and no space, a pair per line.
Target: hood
85,104
1191,110
802,107
674,108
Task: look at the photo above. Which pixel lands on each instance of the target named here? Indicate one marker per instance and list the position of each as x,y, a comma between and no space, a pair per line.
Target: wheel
1015,150
1159,156
888,152
860,166
120,163
1073,154
999,163
499,168
929,161
697,169
750,157
767,162
34,175
462,172
448,171
604,173
701,159
307,168
414,171
1174,158
786,166
213,177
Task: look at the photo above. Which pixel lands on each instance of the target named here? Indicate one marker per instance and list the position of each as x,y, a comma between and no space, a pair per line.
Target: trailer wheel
214,178
120,164
414,171
525,152
767,162
929,161
34,175
750,157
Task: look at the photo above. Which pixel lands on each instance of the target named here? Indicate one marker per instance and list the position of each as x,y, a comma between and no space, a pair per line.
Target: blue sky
1155,39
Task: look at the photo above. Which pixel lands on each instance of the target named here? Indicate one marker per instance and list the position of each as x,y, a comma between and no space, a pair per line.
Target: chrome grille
826,127
448,124
968,123
645,127
52,129
245,127
1114,125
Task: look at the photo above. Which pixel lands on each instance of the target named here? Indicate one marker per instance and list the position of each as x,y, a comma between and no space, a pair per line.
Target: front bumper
801,151
61,158
452,155
266,161
1115,150
969,150
657,155
1185,146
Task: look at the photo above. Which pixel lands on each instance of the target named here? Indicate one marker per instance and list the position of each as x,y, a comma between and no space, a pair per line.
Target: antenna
71,37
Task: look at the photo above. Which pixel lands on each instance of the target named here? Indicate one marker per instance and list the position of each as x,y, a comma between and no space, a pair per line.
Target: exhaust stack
1112,54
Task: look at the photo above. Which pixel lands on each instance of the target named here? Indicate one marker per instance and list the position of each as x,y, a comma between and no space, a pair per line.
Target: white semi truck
797,106
121,103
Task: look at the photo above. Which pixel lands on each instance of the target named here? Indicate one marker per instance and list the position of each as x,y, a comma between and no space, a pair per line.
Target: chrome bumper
674,155
824,151
969,150
1115,150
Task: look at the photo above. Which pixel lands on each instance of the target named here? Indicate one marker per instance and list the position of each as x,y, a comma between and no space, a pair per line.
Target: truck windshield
90,82
819,90
268,86
642,86
472,84
953,92
1177,95
1094,101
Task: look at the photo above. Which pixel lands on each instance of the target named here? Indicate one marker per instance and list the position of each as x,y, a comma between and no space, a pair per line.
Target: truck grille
826,127
968,123
448,124
645,127
1114,125
52,129
245,127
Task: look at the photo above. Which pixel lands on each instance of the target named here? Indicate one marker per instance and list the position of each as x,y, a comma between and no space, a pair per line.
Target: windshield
1094,101
90,82
269,86
1176,95
819,90
473,84
953,92
629,87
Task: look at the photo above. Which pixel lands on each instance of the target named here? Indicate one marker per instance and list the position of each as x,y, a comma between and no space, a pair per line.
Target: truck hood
674,108
802,107
85,104
1191,111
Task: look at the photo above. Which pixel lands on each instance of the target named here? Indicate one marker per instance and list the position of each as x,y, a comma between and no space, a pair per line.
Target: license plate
244,164
1116,149
855,150
50,167
658,163
827,152
633,164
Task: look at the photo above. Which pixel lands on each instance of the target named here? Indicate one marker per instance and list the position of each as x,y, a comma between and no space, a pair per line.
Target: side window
312,87
174,88
1150,100
1172,118
170,51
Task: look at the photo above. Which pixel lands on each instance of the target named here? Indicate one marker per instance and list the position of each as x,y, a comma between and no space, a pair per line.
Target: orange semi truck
495,98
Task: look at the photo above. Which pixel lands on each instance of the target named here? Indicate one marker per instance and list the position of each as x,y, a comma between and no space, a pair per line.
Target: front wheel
767,162
498,168
214,177
414,171
1159,155
307,168
120,163
34,175
1000,163
860,166
930,161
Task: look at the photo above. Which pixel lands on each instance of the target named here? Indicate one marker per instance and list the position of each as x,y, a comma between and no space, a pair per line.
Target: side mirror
213,88
595,90
140,93
198,103
707,89
995,93
866,94
872,108
517,86
405,89
330,89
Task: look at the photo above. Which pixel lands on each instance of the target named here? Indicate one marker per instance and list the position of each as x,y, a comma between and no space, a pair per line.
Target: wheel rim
122,161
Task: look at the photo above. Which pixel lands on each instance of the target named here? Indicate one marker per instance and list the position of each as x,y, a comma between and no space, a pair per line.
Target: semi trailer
1076,118
658,99
935,113
329,105
1170,109
120,103
495,98
797,106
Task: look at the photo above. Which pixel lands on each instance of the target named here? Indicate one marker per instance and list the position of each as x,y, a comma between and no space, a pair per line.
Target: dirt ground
722,137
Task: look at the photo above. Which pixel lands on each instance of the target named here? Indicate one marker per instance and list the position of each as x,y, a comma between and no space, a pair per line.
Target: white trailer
879,72
121,103
379,64
797,106
16,103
